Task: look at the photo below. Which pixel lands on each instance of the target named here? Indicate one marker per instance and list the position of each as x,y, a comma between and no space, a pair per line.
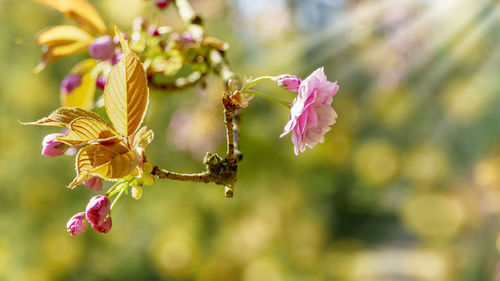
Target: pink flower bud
105,227
53,147
76,224
288,82
94,183
187,38
101,82
162,4
102,48
153,30
69,83
97,209
116,39
116,58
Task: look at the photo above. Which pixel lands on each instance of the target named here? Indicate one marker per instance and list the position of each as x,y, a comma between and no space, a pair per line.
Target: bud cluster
97,214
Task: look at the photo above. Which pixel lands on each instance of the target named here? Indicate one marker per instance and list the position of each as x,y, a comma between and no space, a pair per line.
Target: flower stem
114,189
118,196
252,92
250,84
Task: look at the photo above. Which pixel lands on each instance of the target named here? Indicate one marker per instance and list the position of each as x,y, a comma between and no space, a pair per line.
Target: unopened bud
136,192
288,82
153,30
187,38
105,227
116,58
97,209
162,4
53,147
101,82
102,48
94,183
76,224
69,83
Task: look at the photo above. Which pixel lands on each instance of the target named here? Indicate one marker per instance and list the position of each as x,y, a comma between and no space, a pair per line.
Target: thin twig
198,177
221,171
228,121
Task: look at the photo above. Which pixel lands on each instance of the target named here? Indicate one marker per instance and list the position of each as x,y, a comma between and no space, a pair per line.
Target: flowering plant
159,57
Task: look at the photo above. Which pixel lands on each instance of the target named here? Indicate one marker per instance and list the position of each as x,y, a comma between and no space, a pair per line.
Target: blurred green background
405,187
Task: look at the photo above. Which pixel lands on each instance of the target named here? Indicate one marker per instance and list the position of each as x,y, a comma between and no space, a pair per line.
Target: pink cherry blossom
311,114
76,224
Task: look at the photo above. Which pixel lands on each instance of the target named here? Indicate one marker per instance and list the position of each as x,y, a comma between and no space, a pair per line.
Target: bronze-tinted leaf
80,11
126,94
121,165
62,35
92,156
83,95
84,130
63,116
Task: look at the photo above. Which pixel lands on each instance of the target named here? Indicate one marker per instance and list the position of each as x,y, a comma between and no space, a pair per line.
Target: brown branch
228,121
205,177
236,135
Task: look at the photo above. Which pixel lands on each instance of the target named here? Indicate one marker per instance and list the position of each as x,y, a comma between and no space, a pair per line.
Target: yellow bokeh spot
376,162
426,164
487,173
392,107
434,215
61,252
175,254
263,269
120,12
464,101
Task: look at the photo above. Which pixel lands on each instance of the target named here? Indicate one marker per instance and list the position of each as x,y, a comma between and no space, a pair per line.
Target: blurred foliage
405,187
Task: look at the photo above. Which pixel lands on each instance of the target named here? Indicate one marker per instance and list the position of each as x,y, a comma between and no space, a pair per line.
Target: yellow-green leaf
80,11
62,35
83,95
120,166
63,116
143,137
84,130
94,155
126,94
